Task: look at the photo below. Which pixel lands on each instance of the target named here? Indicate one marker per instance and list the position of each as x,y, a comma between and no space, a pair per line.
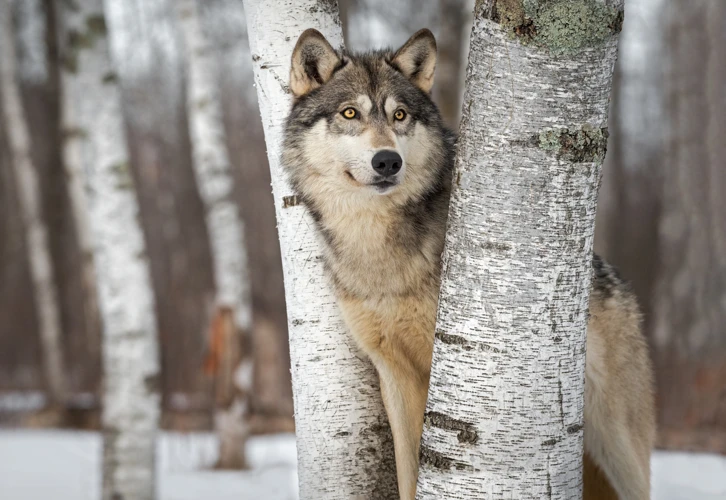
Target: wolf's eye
349,113
399,115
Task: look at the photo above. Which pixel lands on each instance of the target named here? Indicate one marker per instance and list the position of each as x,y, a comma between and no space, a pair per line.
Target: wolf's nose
387,162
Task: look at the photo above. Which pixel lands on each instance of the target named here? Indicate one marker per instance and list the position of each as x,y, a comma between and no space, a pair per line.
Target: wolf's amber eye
399,115
349,113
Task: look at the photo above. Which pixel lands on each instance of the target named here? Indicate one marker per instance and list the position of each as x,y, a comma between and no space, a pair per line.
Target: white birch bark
131,403
77,113
213,172
343,439
36,231
212,168
30,32
504,417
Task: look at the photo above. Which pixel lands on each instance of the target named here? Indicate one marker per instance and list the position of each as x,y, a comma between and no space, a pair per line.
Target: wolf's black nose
387,162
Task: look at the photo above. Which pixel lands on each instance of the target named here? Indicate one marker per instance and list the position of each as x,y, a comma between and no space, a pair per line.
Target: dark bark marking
500,247
290,201
434,458
577,145
467,433
574,429
550,442
561,399
153,383
453,340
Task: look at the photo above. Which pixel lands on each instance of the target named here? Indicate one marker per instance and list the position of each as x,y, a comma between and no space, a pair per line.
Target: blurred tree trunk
343,440
223,22
146,44
380,24
36,232
453,44
214,178
507,385
689,330
130,350
77,113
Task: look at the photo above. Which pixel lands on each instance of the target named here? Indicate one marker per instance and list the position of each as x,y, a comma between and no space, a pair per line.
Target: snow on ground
36,465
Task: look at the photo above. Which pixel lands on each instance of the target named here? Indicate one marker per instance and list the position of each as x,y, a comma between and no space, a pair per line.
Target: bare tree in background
454,18
77,113
36,232
231,318
131,407
689,301
224,25
147,50
507,378
343,440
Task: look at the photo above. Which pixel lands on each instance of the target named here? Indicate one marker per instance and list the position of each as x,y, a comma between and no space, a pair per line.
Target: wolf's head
363,129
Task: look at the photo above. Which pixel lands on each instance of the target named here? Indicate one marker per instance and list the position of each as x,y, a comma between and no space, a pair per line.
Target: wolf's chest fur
385,250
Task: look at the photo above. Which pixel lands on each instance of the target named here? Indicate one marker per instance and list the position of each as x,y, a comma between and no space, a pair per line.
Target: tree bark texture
130,352
344,443
504,417
36,232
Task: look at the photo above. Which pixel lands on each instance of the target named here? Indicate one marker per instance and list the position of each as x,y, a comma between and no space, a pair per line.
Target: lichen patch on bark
578,145
562,26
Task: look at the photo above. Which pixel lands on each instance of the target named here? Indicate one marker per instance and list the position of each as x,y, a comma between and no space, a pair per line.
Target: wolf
368,154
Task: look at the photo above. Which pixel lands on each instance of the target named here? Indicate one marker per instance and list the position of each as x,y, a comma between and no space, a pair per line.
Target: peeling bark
517,260
344,443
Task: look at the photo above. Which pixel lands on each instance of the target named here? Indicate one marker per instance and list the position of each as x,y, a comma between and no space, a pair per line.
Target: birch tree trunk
213,173
130,357
36,232
77,113
504,417
343,439
225,25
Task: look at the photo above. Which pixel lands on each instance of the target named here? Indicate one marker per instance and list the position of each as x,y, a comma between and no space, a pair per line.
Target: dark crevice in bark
466,434
290,201
435,459
453,340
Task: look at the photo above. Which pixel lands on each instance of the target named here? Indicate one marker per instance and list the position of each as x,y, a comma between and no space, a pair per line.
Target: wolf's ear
417,59
313,62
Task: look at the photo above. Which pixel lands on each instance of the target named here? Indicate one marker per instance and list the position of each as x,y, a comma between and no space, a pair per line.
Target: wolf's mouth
384,185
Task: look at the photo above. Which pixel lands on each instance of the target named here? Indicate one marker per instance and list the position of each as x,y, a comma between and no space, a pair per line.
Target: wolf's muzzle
387,162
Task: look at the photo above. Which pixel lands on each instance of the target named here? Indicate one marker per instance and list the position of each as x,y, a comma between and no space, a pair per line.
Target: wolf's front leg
404,393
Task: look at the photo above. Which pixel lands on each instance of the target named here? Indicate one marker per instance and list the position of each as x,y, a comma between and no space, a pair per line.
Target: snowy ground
37,465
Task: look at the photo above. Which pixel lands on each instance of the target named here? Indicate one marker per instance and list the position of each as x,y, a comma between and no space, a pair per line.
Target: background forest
661,216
